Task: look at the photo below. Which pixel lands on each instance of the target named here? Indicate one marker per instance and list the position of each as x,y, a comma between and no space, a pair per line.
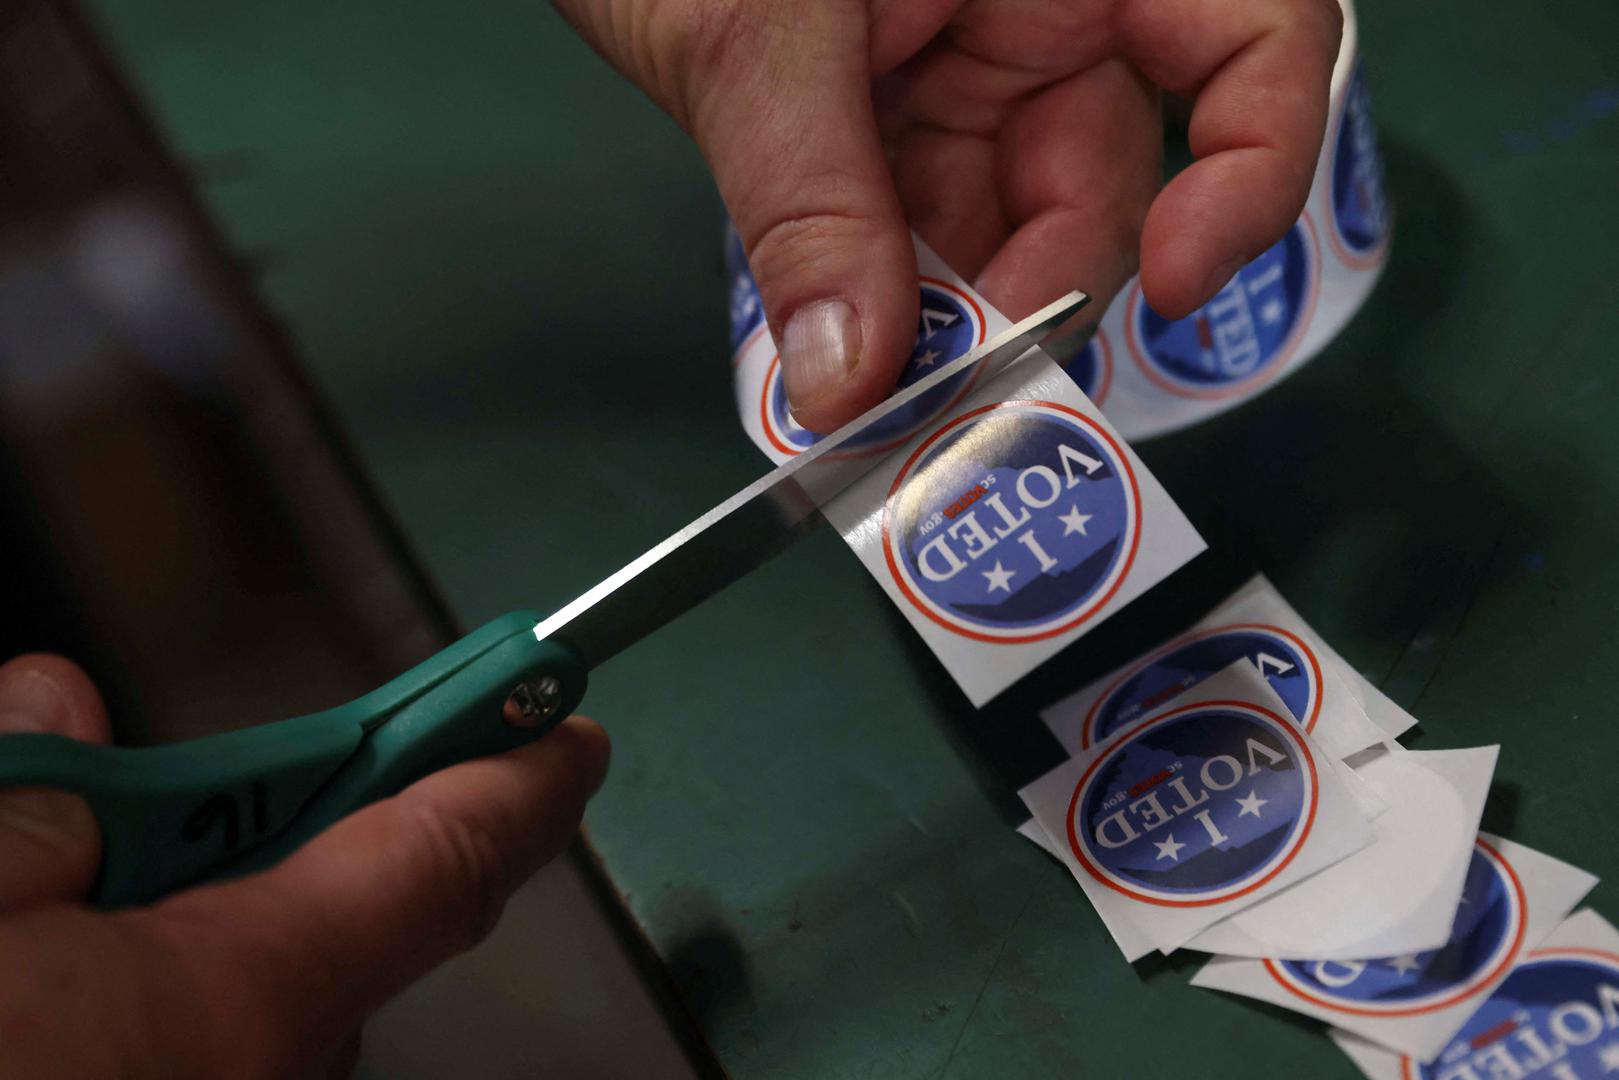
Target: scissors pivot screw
531,703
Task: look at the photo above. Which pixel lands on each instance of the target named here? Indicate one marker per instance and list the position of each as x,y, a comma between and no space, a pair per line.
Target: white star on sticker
1168,849
1000,577
1074,521
1404,964
1608,1056
927,359
1251,804
1271,312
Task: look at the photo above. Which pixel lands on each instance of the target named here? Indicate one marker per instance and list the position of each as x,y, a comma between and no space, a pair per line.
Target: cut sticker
1014,522
1237,776
1010,525
1555,1016
1254,624
1286,661
1205,807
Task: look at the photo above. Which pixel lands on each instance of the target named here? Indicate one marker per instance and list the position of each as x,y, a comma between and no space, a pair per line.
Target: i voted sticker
747,311
1287,663
1484,941
1014,522
1092,368
1198,806
950,325
1240,338
1360,210
1556,1017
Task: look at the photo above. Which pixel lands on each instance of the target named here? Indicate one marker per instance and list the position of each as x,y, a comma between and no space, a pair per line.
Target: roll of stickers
1152,375
1280,310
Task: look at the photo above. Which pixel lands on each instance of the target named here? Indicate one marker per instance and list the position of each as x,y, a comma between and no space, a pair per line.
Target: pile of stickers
1239,792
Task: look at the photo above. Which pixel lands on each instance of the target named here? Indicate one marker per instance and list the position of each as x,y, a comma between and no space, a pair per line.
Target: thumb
786,121
50,845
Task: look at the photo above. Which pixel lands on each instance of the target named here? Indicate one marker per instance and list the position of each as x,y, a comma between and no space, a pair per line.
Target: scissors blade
765,517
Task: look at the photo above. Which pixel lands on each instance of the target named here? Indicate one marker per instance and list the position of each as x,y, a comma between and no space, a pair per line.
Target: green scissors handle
228,804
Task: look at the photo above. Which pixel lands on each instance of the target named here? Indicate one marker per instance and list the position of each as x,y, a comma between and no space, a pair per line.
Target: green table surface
502,266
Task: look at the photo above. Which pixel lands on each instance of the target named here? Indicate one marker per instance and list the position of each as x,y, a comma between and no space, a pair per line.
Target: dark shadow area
707,964
1501,808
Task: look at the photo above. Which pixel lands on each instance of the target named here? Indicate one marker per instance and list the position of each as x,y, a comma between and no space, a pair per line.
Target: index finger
1260,73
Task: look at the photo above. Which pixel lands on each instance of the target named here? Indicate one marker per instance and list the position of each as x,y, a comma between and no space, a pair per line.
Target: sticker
1180,373
1092,368
951,324
746,309
1557,1012
1283,658
1206,807
1013,522
1234,780
1253,624
1487,936
1360,210
1240,338
1397,894
1554,1017
1413,1002
1003,518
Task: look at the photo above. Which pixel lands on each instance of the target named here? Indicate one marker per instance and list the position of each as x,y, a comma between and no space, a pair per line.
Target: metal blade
768,515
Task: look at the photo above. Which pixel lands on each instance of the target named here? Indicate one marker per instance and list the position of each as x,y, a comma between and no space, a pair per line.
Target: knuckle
467,868
826,213
691,43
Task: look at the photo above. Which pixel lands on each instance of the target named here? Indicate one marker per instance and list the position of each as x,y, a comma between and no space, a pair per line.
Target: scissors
228,804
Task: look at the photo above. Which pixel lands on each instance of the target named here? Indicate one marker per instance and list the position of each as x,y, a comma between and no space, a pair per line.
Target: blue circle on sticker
949,325
1286,662
1197,806
1014,522
1360,212
1556,1016
1241,336
1483,941
747,310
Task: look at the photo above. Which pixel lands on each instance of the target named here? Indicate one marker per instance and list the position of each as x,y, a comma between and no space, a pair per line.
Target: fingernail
819,349
31,701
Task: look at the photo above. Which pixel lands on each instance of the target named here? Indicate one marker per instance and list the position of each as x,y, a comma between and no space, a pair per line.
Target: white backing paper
1413,1003
1396,895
